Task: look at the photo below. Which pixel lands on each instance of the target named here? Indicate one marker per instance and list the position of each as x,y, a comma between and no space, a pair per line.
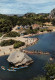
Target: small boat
19,67
3,67
11,70
14,68
23,67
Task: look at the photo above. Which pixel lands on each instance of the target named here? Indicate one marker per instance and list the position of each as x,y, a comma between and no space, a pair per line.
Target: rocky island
19,58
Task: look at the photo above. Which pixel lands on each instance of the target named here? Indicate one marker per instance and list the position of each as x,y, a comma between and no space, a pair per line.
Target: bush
7,42
43,29
53,22
18,44
49,30
12,34
1,34
50,70
39,78
5,25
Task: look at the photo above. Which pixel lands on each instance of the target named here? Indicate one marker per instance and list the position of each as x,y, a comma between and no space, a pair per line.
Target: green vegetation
7,42
18,44
13,19
30,30
5,25
32,18
53,22
44,29
8,22
39,78
12,34
1,34
50,70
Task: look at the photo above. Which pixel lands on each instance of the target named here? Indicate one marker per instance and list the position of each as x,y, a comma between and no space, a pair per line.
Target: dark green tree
53,22
5,25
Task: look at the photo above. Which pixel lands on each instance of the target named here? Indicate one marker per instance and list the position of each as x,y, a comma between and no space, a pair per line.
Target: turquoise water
46,43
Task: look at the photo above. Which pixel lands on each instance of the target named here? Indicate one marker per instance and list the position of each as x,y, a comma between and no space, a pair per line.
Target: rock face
19,58
52,14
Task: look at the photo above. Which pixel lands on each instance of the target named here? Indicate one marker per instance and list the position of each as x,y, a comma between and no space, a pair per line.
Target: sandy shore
6,50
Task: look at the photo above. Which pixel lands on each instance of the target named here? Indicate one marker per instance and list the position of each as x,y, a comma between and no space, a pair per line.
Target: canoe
23,67
19,67
2,68
11,70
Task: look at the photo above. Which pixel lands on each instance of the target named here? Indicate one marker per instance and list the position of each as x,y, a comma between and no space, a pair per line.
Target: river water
46,43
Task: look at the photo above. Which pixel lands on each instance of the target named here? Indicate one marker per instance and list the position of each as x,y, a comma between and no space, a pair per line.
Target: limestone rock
19,58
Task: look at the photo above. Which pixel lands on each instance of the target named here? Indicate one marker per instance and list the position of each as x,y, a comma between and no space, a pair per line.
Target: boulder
19,58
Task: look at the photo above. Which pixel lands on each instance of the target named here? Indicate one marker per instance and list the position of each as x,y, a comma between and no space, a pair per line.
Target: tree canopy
5,25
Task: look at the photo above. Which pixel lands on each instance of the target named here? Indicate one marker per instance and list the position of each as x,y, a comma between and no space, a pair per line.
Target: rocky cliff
52,13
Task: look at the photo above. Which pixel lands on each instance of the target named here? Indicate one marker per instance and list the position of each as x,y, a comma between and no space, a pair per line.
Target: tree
5,25
12,34
53,22
13,20
50,70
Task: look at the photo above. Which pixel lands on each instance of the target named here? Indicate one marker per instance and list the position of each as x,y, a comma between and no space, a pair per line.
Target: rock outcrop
19,58
52,14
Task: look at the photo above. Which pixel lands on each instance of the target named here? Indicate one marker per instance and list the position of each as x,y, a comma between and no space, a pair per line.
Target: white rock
19,58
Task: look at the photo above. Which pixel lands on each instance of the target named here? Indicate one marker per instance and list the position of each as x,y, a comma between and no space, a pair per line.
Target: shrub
50,70
18,44
1,34
7,42
39,78
12,34
5,25
53,22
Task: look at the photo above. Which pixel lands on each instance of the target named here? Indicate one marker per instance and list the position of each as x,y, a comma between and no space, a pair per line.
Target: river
46,43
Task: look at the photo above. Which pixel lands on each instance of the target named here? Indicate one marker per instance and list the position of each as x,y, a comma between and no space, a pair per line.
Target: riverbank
6,50
39,33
